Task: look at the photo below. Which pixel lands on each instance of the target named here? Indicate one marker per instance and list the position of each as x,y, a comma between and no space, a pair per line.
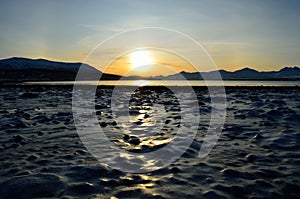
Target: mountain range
286,73
24,69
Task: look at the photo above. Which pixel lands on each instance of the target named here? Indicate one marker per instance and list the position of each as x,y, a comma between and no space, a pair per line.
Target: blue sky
264,35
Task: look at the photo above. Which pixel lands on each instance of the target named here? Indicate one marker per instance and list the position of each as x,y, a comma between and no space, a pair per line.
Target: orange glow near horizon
149,62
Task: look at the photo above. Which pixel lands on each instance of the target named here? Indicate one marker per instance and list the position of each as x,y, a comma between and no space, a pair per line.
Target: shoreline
9,85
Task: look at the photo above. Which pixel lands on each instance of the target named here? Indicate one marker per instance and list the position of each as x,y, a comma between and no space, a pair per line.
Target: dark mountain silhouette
287,73
24,69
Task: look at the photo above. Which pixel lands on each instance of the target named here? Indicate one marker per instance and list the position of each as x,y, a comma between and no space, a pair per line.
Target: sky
263,35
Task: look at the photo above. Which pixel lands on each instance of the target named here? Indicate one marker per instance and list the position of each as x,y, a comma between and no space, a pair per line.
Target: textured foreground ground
257,155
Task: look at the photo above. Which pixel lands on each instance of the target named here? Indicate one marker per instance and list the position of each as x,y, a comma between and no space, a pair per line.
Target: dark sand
257,155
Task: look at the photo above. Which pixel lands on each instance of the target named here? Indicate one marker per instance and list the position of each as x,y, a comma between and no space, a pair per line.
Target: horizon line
78,62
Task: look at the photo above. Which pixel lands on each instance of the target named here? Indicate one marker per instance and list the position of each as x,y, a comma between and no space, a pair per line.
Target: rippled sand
257,155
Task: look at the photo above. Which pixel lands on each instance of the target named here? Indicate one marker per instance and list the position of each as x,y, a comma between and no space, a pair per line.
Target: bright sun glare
141,83
141,60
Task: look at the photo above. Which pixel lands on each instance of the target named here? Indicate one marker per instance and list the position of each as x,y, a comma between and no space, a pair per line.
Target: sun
141,60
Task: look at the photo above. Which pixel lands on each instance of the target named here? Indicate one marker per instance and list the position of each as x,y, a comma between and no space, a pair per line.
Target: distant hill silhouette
23,69
287,73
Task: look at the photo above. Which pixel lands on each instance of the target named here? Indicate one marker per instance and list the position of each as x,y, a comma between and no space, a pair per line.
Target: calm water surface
171,83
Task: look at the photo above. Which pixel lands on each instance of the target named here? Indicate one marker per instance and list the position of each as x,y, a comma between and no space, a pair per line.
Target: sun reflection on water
141,83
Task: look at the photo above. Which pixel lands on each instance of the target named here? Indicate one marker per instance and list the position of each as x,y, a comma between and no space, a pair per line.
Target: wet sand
257,155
